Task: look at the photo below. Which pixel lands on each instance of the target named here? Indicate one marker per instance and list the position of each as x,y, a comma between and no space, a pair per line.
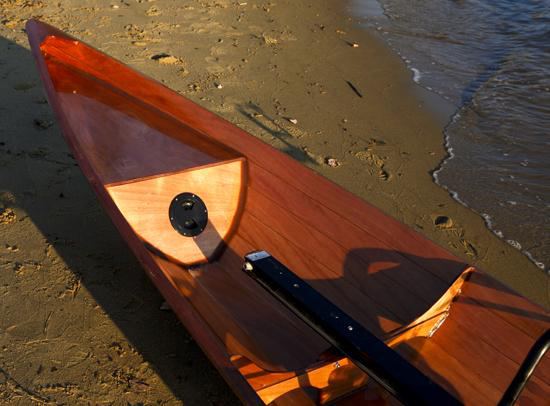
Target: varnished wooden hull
140,144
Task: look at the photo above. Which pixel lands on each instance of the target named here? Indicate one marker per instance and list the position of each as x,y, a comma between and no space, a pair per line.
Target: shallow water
491,59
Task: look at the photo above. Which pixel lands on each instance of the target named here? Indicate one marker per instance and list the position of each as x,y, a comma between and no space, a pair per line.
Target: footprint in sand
153,11
213,66
23,86
443,222
375,161
446,223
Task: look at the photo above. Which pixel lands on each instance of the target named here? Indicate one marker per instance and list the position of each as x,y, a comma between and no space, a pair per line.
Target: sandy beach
80,322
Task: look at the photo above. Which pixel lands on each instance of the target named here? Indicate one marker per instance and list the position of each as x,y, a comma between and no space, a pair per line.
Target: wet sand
80,321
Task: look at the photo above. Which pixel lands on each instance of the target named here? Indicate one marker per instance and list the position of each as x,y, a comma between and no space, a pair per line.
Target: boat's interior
140,145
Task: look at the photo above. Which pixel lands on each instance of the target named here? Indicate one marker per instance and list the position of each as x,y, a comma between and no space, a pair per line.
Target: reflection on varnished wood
138,143
130,140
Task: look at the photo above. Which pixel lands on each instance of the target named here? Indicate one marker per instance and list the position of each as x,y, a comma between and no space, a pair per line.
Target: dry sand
80,323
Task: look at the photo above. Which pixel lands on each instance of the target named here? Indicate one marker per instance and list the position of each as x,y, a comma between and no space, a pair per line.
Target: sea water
491,59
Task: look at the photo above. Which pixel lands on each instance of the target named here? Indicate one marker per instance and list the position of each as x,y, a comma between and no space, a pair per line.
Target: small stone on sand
153,11
269,40
170,60
332,162
42,124
7,216
11,23
165,59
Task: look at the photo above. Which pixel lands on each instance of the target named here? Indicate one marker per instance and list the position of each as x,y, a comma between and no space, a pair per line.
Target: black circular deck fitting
188,214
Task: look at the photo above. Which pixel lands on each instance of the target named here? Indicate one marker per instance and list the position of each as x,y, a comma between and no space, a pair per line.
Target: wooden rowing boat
192,194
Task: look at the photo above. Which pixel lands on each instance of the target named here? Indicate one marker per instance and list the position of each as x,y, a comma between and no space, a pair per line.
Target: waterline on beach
491,62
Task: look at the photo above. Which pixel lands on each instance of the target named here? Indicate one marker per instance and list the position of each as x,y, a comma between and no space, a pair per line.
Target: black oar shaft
380,362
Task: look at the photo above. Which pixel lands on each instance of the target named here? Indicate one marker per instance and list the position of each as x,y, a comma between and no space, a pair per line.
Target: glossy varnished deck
128,131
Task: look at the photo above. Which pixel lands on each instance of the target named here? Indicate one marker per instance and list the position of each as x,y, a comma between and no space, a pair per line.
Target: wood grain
246,319
430,321
132,140
332,381
145,203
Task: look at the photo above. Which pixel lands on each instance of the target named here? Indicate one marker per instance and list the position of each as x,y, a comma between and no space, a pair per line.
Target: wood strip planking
363,308
226,273
316,212
487,292
355,256
485,359
131,140
489,329
485,362
320,254
206,338
244,316
450,372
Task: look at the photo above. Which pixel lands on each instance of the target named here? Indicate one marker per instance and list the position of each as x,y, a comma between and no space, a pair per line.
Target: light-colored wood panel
428,323
332,380
145,204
